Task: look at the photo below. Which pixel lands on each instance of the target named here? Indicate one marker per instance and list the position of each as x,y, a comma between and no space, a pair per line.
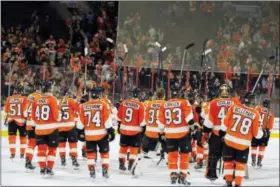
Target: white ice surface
13,172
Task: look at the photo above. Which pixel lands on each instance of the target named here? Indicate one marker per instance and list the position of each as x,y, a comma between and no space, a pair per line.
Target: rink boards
274,133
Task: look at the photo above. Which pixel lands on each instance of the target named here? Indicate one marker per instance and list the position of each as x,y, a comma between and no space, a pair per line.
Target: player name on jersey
155,105
244,112
94,106
132,105
172,104
225,103
16,100
42,101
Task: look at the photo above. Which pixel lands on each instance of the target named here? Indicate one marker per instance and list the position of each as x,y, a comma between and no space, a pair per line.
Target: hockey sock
261,153
91,159
239,172
41,155
105,159
62,149
199,154
133,153
30,148
51,157
253,153
123,153
73,149
184,163
22,144
228,171
12,144
173,161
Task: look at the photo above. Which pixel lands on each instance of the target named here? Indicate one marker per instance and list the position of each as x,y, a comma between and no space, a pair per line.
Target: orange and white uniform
174,116
70,108
31,98
14,107
241,124
267,117
31,140
45,115
131,116
94,118
151,116
217,110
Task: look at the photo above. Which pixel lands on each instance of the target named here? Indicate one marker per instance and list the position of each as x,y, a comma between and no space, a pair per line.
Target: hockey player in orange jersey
67,131
176,118
15,106
95,125
240,125
152,134
29,127
267,121
130,126
45,115
217,110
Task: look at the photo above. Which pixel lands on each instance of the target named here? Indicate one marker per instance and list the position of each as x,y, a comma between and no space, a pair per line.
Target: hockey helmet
46,86
136,92
266,102
96,92
249,98
224,91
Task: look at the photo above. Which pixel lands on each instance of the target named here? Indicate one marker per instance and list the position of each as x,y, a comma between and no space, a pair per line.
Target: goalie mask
224,91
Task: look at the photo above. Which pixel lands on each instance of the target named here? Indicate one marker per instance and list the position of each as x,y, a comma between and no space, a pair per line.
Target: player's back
14,107
151,116
45,114
31,97
242,124
95,117
217,110
174,115
70,107
131,116
267,117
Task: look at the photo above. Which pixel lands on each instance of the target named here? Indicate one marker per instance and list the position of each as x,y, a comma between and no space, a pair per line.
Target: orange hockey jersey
14,107
31,98
267,117
45,115
70,108
94,118
241,124
131,116
151,116
217,111
174,116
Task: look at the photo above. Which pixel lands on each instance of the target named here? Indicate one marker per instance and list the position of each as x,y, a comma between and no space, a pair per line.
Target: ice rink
14,173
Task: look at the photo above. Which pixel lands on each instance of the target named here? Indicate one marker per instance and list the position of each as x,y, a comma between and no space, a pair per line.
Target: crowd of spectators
239,44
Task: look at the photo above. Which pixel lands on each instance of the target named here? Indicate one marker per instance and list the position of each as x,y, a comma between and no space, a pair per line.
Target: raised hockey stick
183,60
256,83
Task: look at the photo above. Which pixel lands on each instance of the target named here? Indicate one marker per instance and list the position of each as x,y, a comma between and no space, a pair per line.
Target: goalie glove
111,134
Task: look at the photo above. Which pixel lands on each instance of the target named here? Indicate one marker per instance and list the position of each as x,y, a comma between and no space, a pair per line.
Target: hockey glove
111,134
